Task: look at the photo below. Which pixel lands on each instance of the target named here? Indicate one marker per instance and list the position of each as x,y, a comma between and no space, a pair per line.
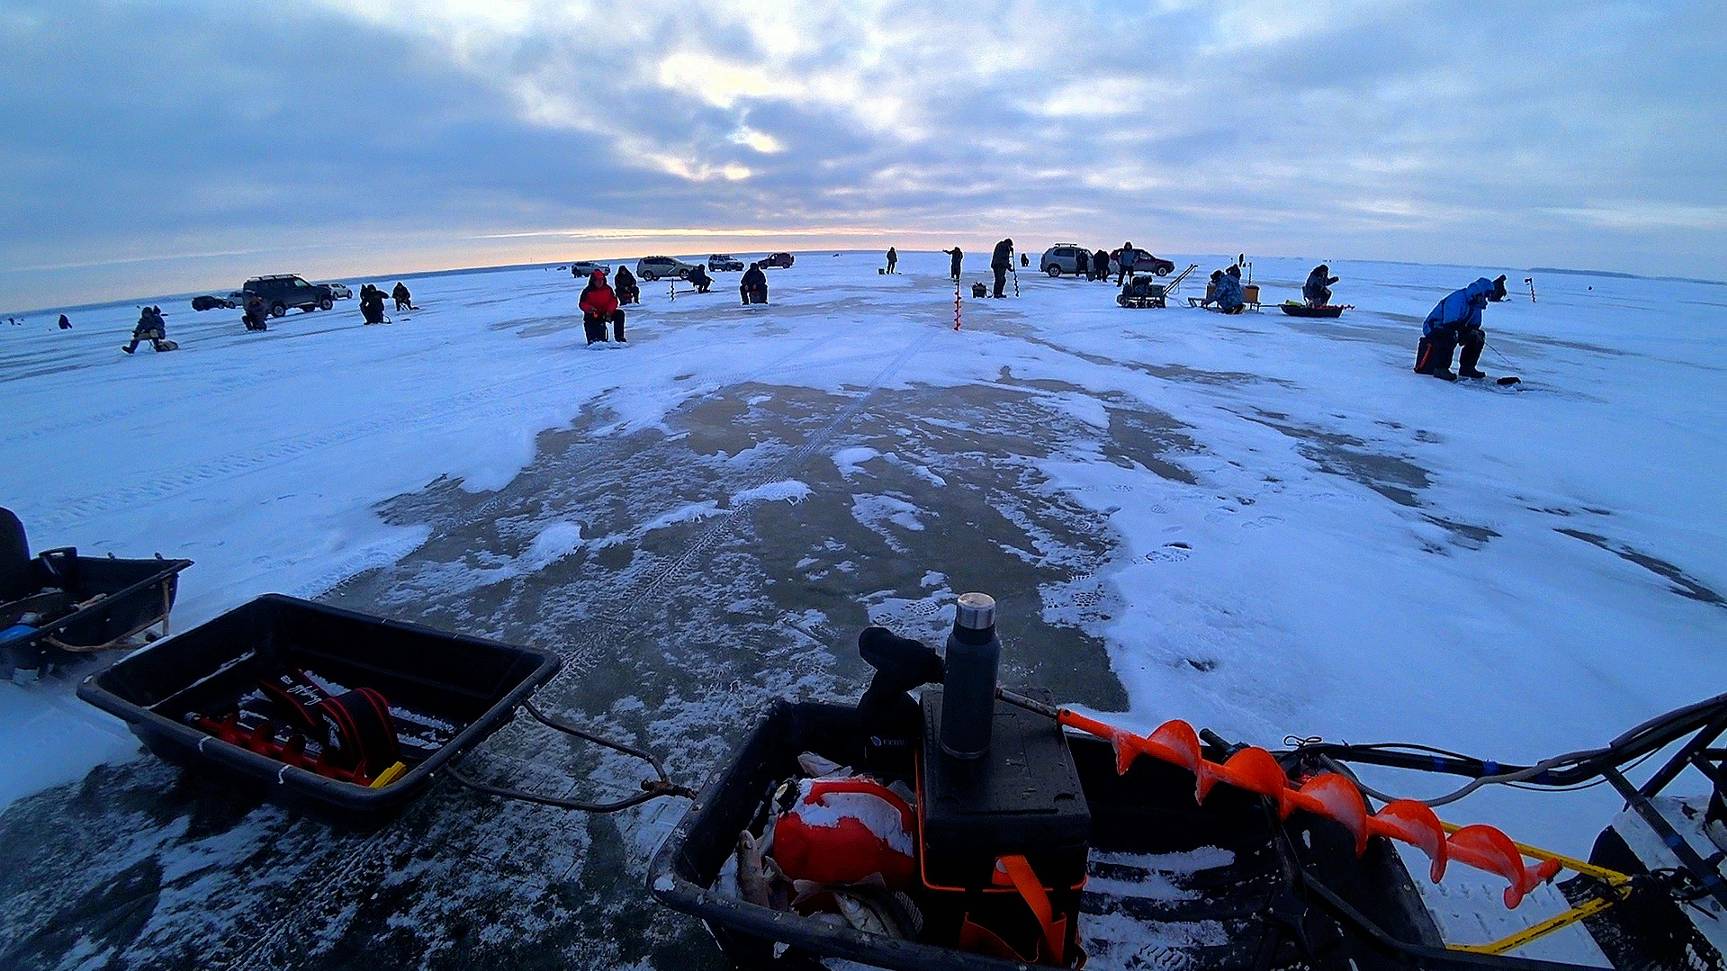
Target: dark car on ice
288,290
781,260
1143,262
234,300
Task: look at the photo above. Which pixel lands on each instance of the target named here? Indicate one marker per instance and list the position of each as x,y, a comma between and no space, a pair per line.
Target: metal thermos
968,691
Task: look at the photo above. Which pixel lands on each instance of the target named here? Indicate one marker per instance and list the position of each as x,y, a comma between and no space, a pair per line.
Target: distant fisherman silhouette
1001,261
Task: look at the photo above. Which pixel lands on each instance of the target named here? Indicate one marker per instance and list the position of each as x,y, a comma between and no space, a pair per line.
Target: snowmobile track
363,860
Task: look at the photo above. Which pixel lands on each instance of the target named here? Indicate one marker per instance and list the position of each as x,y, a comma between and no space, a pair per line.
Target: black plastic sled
1170,883
316,705
1303,310
1272,891
59,603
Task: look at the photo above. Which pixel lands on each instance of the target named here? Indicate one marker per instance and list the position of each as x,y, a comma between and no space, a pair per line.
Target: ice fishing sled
1140,293
1171,849
59,603
316,705
1294,309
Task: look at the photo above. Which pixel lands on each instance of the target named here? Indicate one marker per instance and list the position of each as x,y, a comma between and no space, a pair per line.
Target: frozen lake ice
1264,525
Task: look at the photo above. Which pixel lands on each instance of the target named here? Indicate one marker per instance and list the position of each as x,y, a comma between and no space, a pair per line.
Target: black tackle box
1022,797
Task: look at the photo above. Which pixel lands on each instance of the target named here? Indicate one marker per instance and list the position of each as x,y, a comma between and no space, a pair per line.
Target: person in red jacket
600,306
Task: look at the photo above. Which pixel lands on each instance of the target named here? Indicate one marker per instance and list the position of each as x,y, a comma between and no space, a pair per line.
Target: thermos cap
976,612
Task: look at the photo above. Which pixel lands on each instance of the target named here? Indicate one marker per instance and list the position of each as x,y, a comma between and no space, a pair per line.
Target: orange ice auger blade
1255,771
1179,742
1124,743
1330,795
1486,848
1336,798
1414,823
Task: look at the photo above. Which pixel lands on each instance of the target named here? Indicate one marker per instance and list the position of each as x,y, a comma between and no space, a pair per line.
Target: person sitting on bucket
65,322
1211,289
1227,293
1457,320
625,285
151,327
600,307
1317,289
255,315
404,301
699,277
372,304
754,286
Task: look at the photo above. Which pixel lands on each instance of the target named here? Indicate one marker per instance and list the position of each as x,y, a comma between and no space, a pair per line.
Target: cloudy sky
148,148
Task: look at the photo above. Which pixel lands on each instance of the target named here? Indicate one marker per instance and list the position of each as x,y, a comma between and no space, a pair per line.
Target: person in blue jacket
1457,320
1227,293
1125,262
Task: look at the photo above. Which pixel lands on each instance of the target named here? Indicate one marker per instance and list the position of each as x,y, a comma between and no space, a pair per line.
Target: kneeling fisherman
1457,321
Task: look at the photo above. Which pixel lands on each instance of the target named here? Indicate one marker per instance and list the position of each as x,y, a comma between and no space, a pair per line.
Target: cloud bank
152,148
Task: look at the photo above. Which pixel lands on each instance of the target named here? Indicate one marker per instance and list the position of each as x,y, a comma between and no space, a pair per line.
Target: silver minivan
660,267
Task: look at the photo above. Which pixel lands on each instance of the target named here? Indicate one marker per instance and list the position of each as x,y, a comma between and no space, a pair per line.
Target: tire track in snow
320,890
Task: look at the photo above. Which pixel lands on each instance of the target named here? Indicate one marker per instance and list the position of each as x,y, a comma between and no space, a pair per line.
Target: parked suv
287,290
781,260
1143,262
1063,258
659,267
725,263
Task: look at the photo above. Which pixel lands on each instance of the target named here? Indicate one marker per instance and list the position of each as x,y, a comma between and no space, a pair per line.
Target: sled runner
59,603
1122,845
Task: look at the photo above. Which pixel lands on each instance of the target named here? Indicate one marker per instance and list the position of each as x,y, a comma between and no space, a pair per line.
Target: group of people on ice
1454,323
602,303
372,302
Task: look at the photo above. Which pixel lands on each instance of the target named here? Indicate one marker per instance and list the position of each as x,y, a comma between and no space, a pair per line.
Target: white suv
659,267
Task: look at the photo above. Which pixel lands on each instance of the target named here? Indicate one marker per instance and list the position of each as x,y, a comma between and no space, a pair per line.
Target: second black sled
59,603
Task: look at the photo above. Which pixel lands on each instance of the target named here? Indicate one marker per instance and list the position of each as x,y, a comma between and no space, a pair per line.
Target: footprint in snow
1170,553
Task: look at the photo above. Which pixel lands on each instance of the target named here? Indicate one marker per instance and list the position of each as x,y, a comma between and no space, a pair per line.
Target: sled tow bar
654,788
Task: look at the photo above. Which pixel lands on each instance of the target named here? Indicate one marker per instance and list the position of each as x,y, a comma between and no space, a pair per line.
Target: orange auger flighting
1330,795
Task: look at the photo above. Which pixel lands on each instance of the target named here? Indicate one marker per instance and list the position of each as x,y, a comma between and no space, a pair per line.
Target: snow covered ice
1263,525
